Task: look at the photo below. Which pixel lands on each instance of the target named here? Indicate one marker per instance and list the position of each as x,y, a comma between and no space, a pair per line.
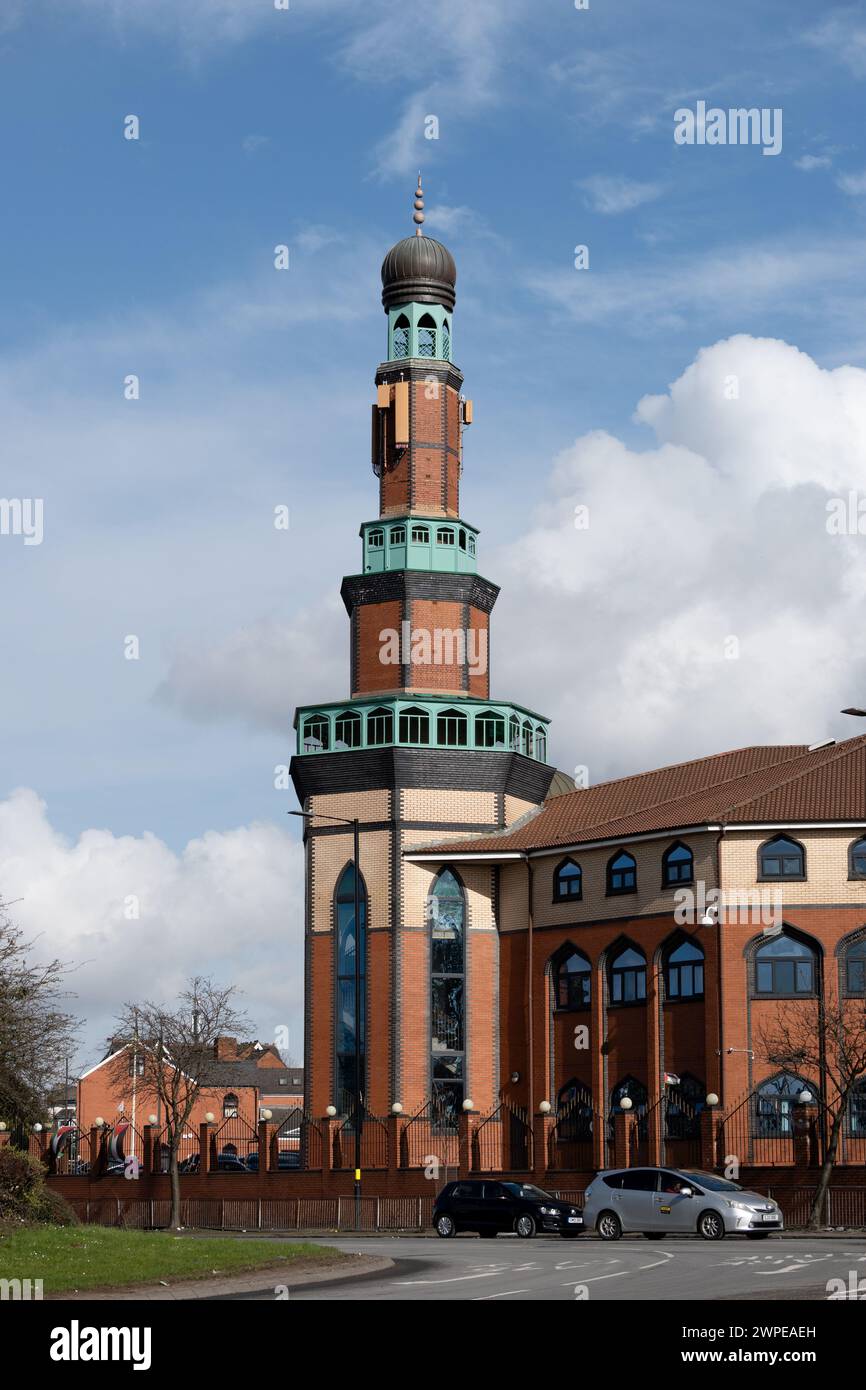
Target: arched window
683,1103
567,882
446,340
350,1014
426,336
397,535
375,539
628,977
489,729
678,865
420,535
774,1104
636,1092
857,1111
684,972
444,536
380,727
781,858
317,733
621,874
446,913
855,968
461,539
401,337
230,1107
784,967
451,729
541,744
347,729
471,545
414,726
574,982
514,733
527,738
574,1112
857,859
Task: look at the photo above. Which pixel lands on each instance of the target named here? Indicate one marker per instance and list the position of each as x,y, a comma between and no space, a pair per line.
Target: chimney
226,1049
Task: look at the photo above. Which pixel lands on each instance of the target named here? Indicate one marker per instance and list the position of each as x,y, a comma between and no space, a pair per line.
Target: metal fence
502,1142
298,1143
374,1146
234,1147
430,1138
570,1144
188,1151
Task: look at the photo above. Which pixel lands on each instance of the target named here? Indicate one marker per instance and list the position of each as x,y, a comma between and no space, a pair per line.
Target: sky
658,437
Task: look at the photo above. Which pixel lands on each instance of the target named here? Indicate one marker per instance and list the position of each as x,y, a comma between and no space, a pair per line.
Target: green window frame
414,726
380,727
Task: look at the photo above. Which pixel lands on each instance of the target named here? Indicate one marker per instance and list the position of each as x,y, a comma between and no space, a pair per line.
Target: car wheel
653,1235
445,1226
525,1225
711,1226
757,1235
609,1226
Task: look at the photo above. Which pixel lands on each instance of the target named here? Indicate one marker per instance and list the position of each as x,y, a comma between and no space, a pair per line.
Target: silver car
662,1201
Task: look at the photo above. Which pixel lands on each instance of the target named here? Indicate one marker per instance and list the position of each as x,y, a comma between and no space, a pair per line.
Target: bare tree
171,1049
36,1032
825,1039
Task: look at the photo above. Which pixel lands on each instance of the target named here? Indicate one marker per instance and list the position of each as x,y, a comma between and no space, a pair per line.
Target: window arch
376,539
444,535
489,729
678,865
573,981
401,337
574,1112
380,727
621,873
627,973
683,1105
317,733
514,733
446,915
857,858
541,744
397,535
527,738
684,971
347,729
414,726
567,882
420,535
452,728
426,336
781,857
774,1104
230,1106
350,1013
855,968
446,340
785,967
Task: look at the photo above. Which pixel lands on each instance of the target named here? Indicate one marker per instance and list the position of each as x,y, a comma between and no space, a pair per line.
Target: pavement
258,1284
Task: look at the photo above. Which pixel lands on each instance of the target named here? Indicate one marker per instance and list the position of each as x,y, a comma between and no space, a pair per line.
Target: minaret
418,749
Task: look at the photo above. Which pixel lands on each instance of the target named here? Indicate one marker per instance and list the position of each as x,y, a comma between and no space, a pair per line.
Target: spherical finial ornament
396,1108
625,1103
267,1114
152,1119
418,216
544,1107
712,1098
209,1117
331,1111
467,1104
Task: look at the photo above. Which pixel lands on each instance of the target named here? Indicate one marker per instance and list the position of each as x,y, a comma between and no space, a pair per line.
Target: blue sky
154,257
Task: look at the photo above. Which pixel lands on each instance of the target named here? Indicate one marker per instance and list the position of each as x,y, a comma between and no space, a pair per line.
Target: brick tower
418,751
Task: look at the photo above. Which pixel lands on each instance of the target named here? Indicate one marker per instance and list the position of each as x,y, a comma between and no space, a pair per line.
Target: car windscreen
526,1189
712,1183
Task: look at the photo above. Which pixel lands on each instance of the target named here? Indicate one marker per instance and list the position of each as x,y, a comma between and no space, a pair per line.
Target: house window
857,1111
461,539
684,972
514,733
574,1113
683,1104
398,535
446,340
420,535
317,733
426,336
855,968
446,911
380,727
574,982
567,882
375,539
774,1104
527,738
451,729
444,536
401,337
414,726
541,744
347,730
489,729
136,1064
628,977
622,874
781,858
678,865
349,1016
857,859
636,1092
471,544
784,967
230,1107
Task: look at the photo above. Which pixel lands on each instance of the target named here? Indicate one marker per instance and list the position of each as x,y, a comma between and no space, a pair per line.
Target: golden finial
418,216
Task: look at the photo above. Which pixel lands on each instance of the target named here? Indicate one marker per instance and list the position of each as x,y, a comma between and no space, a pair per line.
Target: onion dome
418,269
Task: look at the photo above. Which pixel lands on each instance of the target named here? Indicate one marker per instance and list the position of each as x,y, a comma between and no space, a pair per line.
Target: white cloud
718,530
853,184
229,904
810,162
611,194
843,38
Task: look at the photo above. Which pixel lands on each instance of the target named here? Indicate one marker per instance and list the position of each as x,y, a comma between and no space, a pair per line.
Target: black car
491,1207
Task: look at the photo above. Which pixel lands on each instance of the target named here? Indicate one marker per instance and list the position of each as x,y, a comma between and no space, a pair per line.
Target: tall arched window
683,1103
426,336
401,337
774,1104
567,882
628,977
855,968
857,1111
347,729
684,971
230,1107
489,729
414,726
451,729
317,733
574,982
636,1092
678,865
784,967
621,874
446,914
351,1014
514,733
574,1112
541,744
446,340
857,859
781,857
380,727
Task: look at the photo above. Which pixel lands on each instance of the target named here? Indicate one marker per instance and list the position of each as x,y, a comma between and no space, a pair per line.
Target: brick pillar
147,1149
599,1098
264,1151
622,1127
466,1125
396,1124
204,1147
329,1126
805,1137
707,1122
542,1129
97,1149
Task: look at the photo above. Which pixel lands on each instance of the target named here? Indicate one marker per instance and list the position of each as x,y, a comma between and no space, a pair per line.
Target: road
469,1269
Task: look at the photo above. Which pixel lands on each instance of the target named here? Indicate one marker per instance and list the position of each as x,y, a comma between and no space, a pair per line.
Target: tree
36,1032
171,1051
825,1039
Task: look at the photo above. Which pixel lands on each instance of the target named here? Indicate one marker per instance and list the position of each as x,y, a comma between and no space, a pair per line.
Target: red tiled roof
767,784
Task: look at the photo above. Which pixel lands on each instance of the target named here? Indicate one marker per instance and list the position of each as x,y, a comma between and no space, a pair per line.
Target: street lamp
356,866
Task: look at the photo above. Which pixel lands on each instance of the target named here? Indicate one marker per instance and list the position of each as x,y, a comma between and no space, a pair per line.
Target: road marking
458,1278
485,1298
594,1279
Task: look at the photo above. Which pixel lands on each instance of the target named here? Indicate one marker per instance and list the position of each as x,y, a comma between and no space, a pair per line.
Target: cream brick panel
418,879
826,866
462,807
330,854
515,808
595,904
512,897
365,806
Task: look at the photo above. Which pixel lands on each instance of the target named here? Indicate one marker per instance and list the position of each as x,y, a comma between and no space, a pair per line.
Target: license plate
769,1218
575,1221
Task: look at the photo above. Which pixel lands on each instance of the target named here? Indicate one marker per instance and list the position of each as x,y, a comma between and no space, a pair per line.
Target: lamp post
356,875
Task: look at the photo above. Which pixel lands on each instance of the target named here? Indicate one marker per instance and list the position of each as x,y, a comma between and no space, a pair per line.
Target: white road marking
595,1278
485,1298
